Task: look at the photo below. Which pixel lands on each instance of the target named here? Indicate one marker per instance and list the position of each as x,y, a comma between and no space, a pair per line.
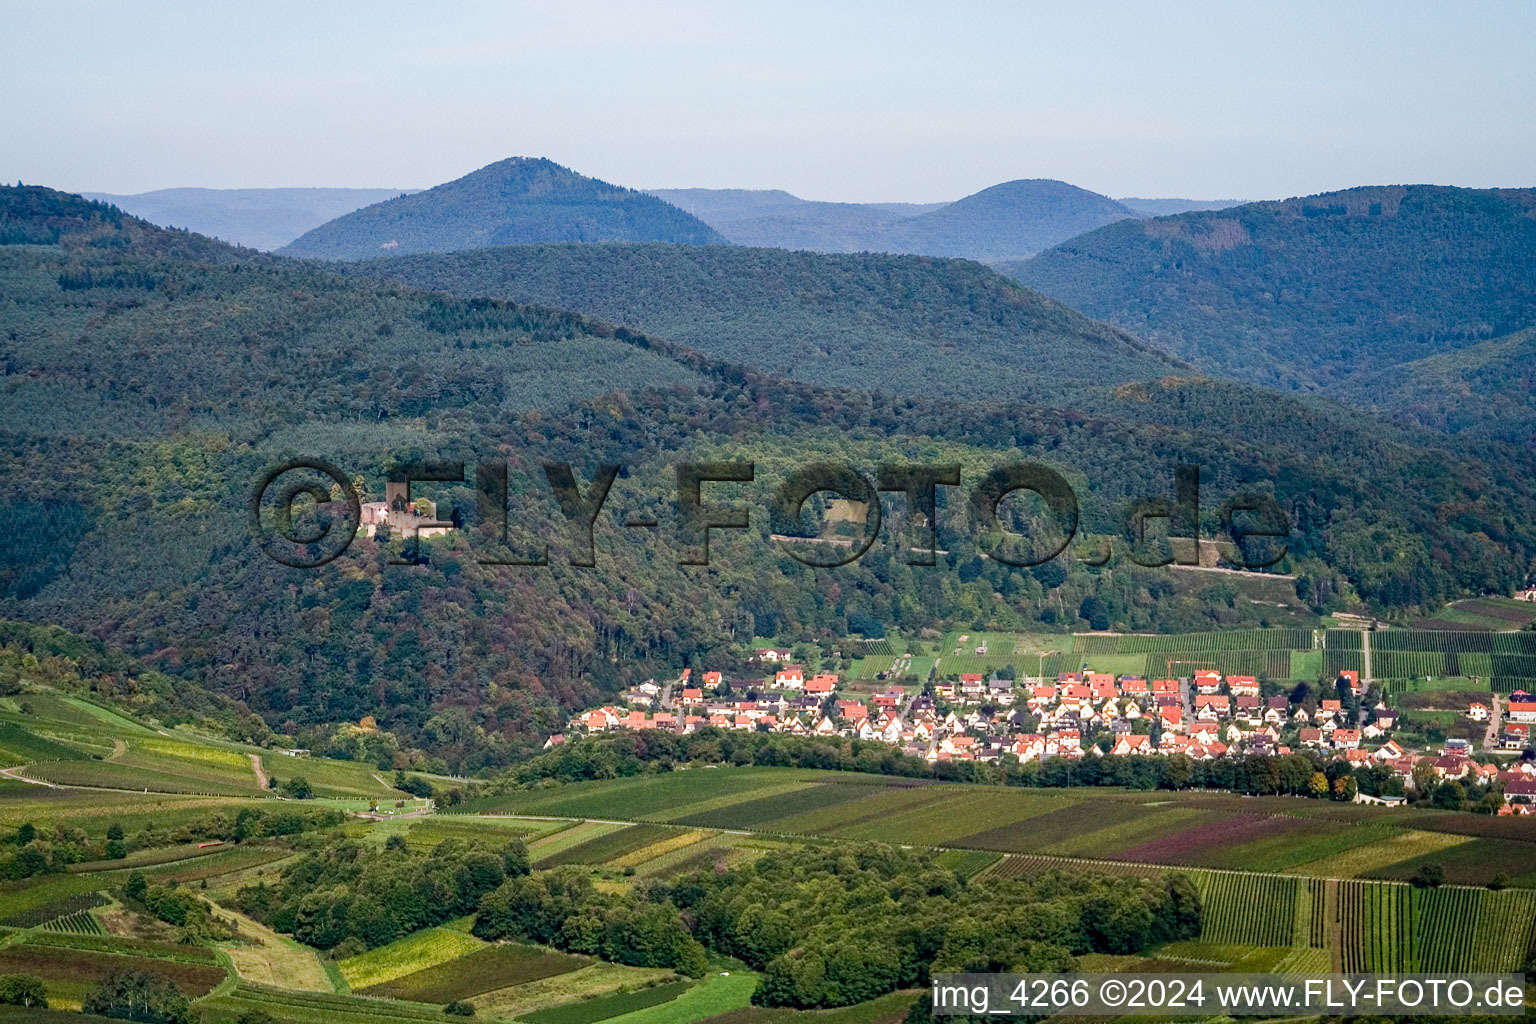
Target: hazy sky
879,101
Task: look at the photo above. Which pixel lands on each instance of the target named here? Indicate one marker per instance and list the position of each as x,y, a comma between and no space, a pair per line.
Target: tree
1345,787
139,996
1428,876
137,886
460,1008
23,990
297,788
115,831
1318,785
1449,796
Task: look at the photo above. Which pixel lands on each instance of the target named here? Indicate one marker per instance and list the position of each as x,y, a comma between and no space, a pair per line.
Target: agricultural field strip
415,952
1110,866
595,980
480,971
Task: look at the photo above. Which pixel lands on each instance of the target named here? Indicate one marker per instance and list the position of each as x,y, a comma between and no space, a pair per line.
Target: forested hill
37,215
143,394
776,219
1483,390
1005,222
905,324
1008,221
262,218
1302,293
513,201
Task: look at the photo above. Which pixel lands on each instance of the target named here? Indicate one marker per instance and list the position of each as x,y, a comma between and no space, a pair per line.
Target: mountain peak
513,201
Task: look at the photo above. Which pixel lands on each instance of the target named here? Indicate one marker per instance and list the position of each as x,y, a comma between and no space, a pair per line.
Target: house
1345,739
555,740
1248,709
1132,743
790,677
1165,687
852,711
1520,791
1218,704
1351,678
771,654
1205,731
400,515
1208,681
1243,686
1134,686
1516,736
712,680
1477,711
692,696
1528,594
1522,710
1173,717
1449,767
1310,737
822,684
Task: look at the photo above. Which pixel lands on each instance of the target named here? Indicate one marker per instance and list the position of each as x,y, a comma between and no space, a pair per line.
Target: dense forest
512,201
837,925
150,377
1483,390
1305,292
911,325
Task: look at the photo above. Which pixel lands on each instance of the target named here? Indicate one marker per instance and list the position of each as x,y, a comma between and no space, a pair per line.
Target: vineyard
1251,910
1387,927
66,907
81,922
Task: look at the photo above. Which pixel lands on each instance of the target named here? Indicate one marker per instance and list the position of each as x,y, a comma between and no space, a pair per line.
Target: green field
415,952
485,969
590,1011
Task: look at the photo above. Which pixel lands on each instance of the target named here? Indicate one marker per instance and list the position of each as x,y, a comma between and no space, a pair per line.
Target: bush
460,1008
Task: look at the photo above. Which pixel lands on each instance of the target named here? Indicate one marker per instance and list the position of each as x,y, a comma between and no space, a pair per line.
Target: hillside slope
261,218
152,378
909,325
518,200
1305,292
1485,390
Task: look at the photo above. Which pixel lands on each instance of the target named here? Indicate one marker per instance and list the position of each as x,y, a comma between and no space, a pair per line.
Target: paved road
1491,737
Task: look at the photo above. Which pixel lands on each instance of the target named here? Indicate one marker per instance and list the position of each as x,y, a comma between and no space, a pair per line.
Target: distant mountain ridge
1305,292
1008,221
516,201
1168,207
258,218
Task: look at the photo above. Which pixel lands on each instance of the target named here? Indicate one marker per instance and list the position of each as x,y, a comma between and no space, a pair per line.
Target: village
974,717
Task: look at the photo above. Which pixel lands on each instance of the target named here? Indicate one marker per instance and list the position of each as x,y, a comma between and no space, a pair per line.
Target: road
1491,737
1365,659
261,776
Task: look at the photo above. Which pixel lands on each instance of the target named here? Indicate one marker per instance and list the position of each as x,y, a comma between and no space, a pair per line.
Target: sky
875,102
